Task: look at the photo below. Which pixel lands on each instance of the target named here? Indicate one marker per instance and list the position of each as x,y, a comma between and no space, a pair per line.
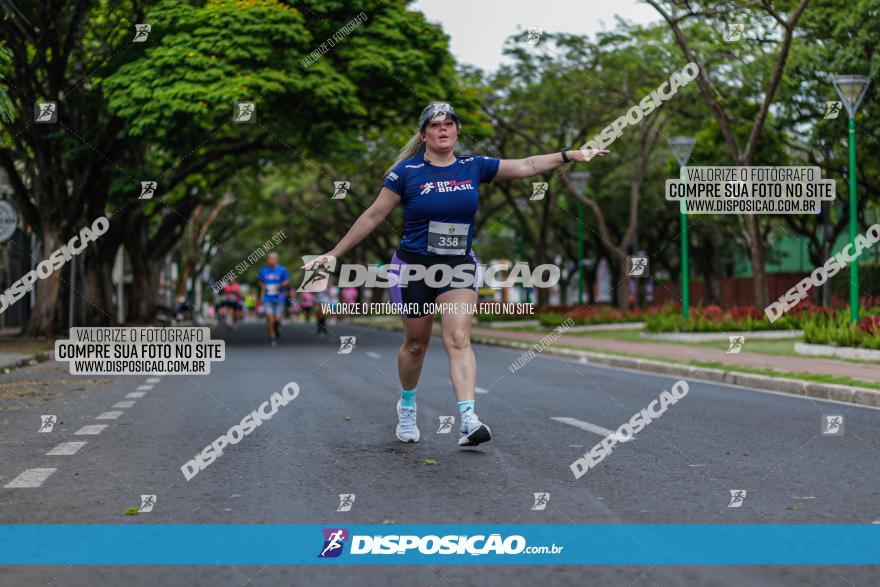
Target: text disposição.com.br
450,544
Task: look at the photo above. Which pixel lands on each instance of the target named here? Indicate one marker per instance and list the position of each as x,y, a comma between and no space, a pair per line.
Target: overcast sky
478,28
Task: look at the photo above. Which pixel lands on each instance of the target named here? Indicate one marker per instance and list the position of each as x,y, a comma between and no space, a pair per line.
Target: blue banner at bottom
437,544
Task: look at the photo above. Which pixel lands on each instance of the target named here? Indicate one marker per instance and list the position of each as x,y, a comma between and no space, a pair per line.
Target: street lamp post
682,148
579,181
851,89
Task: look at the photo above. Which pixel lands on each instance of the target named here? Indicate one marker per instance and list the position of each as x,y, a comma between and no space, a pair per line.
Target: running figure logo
141,31
736,498
734,33
736,344
440,111
341,187
832,424
47,423
346,500
334,541
832,109
316,279
45,112
245,112
346,345
446,424
148,189
539,189
535,34
147,503
637,266
426,187
541,500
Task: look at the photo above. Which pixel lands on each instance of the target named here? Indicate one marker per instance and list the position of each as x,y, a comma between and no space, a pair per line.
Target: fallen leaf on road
430,462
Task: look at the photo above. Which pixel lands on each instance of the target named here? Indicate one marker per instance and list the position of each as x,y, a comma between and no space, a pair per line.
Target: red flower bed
870,325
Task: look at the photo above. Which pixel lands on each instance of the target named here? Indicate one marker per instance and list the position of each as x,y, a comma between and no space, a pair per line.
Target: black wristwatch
565,158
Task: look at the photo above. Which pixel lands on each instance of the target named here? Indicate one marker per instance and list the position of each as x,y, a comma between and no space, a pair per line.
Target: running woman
273,279
439,193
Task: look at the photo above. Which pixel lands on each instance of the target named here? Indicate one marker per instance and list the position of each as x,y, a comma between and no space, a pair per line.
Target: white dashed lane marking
91,429
109,415
66,448
154,380
136,394
126,404
586,426
144,387
373,355
30,478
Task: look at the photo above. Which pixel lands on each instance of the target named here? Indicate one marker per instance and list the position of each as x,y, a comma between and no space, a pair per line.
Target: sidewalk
683,353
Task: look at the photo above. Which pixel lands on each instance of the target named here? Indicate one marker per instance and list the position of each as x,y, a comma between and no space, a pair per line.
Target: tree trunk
97,284
622,284
759,273
45,312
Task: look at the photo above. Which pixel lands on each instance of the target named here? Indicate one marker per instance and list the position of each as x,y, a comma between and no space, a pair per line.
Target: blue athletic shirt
273,278
439,203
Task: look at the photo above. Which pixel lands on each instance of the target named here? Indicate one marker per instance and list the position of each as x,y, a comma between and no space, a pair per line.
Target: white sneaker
407,431
474,432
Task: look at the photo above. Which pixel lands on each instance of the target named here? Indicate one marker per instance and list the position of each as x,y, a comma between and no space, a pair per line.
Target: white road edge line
65,448
91,429
689,379
603,432
30,478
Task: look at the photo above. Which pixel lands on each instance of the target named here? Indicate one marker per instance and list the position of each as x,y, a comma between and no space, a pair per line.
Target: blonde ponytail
413,147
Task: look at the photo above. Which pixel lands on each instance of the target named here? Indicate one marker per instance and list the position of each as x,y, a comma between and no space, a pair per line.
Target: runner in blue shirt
273,280
439,193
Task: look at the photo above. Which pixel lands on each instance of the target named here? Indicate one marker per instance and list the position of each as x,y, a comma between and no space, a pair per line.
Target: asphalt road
337,437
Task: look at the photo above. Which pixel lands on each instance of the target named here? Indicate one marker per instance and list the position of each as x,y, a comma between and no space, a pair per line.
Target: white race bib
446,238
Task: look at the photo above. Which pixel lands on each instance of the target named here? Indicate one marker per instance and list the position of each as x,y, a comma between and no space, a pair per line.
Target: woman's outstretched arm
538,164
363,226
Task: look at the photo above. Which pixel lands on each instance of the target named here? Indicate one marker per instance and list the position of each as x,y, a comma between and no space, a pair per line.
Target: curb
842,393
27,362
